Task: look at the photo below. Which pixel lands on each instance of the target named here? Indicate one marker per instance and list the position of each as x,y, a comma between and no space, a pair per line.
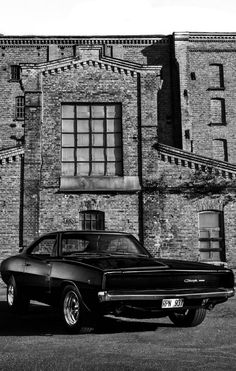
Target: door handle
27,264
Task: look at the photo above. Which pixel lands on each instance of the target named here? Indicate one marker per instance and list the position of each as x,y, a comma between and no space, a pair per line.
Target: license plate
172,303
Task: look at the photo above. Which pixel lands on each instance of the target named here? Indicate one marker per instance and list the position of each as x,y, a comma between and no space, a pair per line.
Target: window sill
217,124
216,88
99,183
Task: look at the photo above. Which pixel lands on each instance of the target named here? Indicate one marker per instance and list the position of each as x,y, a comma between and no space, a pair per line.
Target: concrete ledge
99,183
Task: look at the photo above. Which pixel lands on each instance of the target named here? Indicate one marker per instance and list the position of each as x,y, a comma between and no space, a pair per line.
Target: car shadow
43,320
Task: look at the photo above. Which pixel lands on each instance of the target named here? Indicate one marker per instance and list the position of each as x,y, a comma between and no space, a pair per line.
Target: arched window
211,235
92,220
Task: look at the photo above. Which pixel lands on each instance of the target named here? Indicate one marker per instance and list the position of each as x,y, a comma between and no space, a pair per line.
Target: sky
119,17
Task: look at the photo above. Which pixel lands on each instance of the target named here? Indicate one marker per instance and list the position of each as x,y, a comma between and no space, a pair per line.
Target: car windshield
73,243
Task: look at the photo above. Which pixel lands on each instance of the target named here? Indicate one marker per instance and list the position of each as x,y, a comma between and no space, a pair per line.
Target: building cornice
112,64
11,154
82,40
193,161
205,36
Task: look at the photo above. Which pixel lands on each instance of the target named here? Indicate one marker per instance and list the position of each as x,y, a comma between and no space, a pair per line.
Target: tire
188,318
72,310
17,302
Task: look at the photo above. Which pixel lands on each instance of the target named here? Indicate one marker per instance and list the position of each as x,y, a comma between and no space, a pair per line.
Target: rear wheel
71,308
188,317
17,302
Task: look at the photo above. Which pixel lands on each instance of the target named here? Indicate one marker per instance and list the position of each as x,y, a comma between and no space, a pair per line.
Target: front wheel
17,302
188,317
71,308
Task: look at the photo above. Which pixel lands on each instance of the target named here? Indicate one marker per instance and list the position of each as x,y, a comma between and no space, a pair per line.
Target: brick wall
10,206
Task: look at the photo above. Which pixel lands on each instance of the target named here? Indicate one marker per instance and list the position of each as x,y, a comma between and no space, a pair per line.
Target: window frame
99,219
90,134
210,239
15,72
20,108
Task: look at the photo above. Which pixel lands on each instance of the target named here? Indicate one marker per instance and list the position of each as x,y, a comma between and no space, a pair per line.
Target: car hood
136,262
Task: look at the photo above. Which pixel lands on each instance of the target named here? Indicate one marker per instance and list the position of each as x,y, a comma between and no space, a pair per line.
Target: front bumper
111,296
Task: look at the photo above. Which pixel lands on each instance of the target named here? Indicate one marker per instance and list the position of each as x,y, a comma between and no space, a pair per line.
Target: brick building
131,133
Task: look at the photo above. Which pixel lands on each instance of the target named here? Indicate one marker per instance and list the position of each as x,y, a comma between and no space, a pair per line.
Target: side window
74,243
46,247
211,235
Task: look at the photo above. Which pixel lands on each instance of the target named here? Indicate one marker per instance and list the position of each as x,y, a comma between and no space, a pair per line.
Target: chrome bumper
106,296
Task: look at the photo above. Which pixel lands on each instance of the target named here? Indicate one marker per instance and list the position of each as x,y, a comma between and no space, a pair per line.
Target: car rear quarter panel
81,274
13,265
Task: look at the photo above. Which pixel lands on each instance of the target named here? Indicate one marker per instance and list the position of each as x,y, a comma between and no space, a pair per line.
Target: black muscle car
96,272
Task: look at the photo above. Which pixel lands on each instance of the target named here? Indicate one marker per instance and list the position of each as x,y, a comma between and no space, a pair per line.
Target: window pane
67,111
82,111
114,168
68,140
98,111
204,234
83,154
114,154
83,140
67,126
114,110
209,219
215,255
98,140
98,168
98,126
205,255
67,168
82,168
83,126
67,154
113,140
98,154
113,125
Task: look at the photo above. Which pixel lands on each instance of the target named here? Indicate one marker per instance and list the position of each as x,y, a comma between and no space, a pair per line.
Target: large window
211,235
91,139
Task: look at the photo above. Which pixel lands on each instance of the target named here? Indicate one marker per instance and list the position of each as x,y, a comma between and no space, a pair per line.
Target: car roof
88,232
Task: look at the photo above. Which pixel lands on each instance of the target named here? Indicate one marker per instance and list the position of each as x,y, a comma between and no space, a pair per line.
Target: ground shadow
43,320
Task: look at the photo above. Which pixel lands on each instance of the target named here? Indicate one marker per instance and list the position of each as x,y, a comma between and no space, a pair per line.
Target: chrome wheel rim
71,308
10,294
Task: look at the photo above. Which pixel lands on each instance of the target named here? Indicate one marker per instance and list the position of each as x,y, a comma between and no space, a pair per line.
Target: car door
38,263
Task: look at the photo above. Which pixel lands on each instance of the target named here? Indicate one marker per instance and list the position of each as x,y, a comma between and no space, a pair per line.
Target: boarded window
91,140
92,220
218,111
211,236
220,151
216,76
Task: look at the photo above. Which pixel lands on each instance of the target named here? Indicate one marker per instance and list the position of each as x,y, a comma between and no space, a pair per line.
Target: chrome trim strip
105,296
